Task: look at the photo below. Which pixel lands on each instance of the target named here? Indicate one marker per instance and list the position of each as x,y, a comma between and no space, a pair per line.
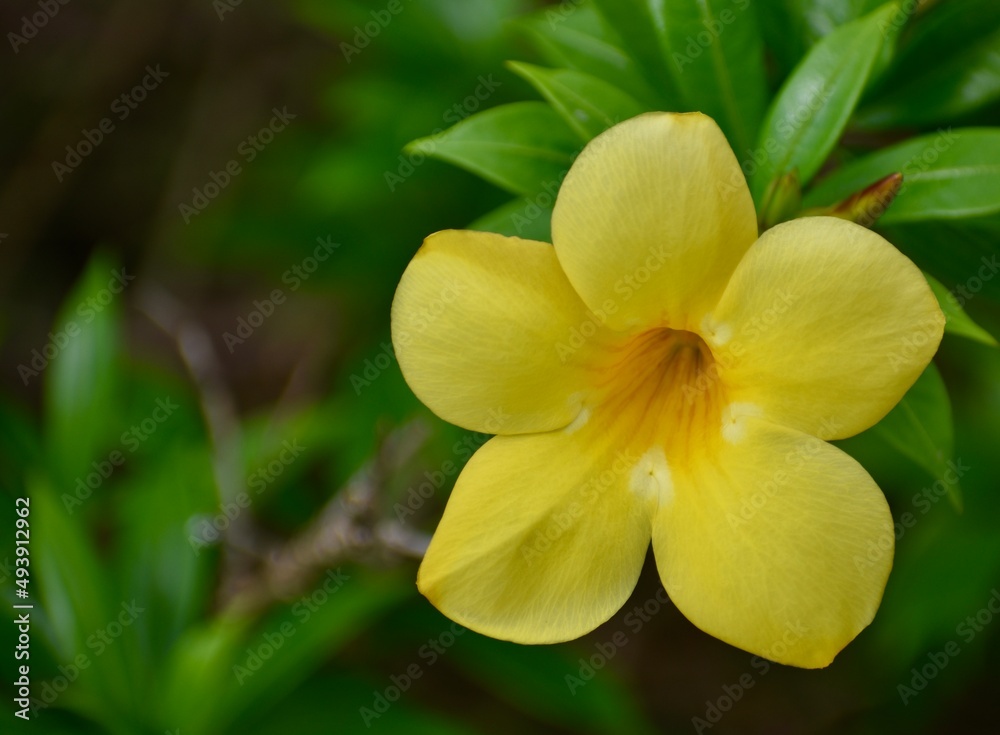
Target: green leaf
519,147
81,383
587,104
920,427
946,175
200,665
641,24
239,670
812,108
962,254
792,27
960,85
924,576
158,560
70,579
949,67
530,219
309,631
717,58
77,603
956,320
567,46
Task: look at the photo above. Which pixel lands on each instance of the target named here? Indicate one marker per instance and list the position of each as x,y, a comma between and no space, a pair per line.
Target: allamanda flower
661,373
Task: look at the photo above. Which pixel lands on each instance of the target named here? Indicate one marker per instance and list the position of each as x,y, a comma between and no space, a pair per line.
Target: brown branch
350,526
257,571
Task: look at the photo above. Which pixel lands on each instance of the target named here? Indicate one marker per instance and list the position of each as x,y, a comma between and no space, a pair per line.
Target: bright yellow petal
490,335
652,219
541,541
824,327
780,545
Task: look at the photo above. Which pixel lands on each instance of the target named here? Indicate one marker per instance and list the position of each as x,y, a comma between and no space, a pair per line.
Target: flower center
663,388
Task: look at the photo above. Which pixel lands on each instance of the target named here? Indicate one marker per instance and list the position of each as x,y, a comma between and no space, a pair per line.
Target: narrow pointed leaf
529,218
792,27
81,377
717,58
956,320
642,26
565,45
812,108
949,67
587,104
519,147
921,428
77,599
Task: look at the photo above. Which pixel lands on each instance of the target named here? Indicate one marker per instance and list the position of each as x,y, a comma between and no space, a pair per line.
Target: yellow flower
660,372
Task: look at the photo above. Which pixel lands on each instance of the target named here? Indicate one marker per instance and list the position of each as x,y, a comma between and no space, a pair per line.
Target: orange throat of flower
662,389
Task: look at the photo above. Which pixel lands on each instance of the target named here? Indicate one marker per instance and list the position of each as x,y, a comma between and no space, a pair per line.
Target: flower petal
490,335
651,220
542,539
780,545
824,327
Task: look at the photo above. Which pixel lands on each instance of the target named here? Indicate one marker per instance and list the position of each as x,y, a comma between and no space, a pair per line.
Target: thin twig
350,526
257,572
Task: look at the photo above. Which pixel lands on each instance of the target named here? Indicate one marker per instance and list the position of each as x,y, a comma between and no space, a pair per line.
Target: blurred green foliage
180,399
